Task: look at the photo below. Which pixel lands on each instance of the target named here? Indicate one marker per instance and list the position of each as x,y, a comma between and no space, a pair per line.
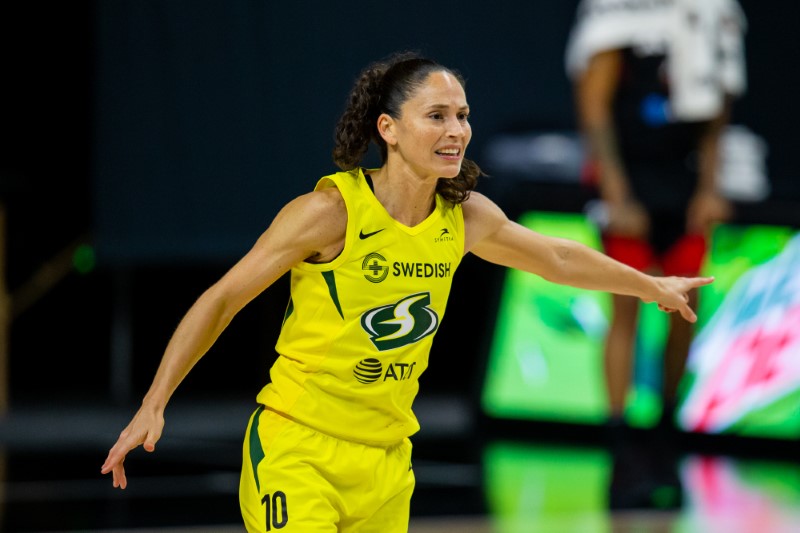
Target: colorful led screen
743,373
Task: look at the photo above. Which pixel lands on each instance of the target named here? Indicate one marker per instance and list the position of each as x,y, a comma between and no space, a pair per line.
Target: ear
386,125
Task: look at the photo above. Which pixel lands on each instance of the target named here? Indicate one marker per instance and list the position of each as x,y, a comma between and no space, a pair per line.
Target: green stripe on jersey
256,451
330,279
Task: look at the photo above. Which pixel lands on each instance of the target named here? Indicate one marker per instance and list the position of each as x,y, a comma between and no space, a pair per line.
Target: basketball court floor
50,457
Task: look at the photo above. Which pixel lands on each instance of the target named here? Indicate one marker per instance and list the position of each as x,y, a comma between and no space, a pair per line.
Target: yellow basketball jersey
358,330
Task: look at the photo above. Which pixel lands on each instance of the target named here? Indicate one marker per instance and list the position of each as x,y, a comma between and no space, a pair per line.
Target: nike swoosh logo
362,235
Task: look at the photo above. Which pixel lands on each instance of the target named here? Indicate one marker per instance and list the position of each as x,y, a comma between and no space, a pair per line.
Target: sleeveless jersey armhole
326,183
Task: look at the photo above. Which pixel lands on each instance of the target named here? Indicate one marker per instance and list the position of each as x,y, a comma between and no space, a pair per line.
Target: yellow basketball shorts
295,479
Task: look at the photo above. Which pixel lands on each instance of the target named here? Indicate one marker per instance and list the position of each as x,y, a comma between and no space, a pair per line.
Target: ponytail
356,126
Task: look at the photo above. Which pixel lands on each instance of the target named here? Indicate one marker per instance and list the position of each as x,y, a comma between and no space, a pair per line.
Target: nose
456,128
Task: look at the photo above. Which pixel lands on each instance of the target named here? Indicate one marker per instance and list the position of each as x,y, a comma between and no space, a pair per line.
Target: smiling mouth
449,152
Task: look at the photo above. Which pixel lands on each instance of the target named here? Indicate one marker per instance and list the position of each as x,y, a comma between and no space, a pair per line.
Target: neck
408,198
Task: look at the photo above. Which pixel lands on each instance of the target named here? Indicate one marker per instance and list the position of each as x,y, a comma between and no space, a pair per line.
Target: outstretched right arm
311,227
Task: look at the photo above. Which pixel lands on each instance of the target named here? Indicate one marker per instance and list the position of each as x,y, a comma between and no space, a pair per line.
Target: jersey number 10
275,505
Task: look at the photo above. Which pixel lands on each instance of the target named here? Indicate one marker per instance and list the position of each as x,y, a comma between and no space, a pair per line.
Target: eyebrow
445,106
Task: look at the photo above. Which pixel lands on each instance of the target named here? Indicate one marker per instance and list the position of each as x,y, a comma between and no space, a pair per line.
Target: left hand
673,295
145,429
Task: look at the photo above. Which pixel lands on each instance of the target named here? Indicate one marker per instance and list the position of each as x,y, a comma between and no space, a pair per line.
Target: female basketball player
372,253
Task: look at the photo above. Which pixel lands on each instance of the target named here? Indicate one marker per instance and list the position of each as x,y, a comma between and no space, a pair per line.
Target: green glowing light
83,259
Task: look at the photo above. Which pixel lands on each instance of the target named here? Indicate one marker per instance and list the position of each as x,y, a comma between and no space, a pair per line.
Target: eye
436,116
463,117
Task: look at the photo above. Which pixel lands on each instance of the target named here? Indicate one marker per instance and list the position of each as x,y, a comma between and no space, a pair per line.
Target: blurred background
148,144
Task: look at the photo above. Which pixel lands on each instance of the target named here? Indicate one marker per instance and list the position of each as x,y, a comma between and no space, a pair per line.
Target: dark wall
770,108
211,115
47,68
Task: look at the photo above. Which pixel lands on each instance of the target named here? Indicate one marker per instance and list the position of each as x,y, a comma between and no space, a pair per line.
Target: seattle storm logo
406,322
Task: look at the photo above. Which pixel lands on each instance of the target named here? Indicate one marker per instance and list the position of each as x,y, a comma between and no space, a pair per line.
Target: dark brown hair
383,87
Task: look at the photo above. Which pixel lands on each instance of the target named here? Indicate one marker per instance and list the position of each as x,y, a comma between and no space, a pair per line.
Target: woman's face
433,131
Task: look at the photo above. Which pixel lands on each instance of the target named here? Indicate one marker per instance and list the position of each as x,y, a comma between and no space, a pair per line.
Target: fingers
693,283
688,314
116,456
112,460
682,286
118,453
119,479
114,464
107,465
145,429
699,282
685,310
150,442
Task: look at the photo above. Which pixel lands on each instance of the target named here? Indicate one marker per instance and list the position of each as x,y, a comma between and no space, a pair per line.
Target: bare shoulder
480,205
319,202
318,206
316,220
482,218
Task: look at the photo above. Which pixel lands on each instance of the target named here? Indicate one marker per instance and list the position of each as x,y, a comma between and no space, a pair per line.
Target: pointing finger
699,282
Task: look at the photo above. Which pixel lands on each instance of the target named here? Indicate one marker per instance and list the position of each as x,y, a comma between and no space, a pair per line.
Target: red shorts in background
684,258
